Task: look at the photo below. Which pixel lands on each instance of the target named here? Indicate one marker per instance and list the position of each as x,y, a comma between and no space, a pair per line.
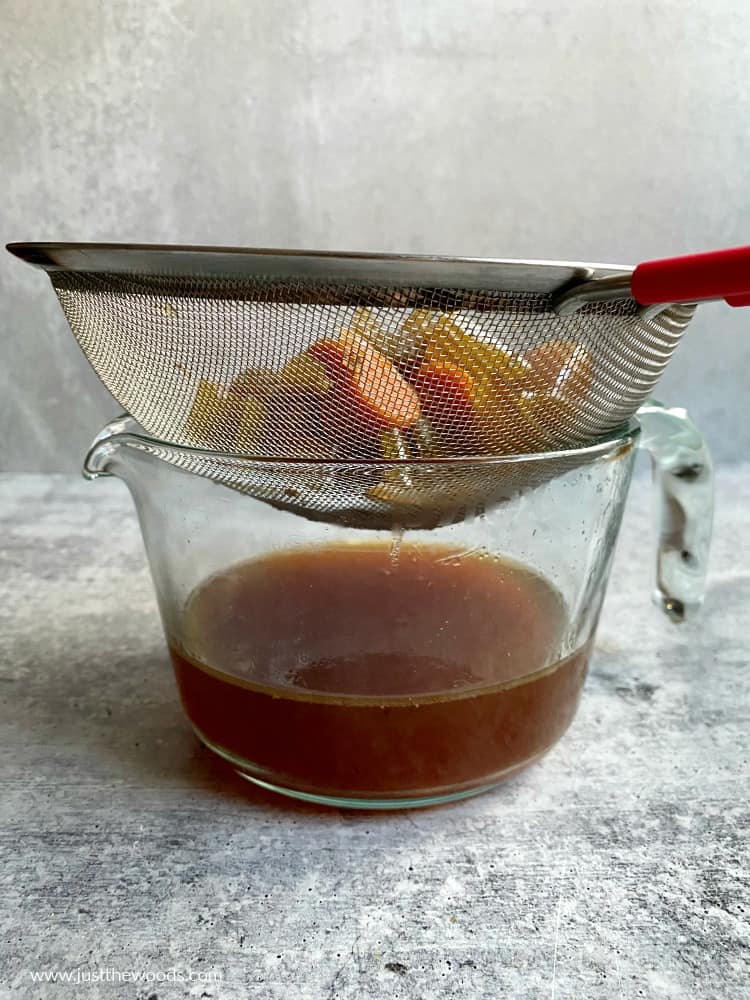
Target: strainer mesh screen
231,364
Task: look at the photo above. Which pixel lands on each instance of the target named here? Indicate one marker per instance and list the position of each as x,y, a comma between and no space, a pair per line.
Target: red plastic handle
721,274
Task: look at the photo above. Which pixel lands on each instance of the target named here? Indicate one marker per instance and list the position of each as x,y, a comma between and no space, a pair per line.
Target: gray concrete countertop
615,868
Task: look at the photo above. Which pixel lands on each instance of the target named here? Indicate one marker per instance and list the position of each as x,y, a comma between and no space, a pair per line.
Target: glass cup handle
682,466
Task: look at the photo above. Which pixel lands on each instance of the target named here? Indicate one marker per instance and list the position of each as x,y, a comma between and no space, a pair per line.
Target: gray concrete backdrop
609,130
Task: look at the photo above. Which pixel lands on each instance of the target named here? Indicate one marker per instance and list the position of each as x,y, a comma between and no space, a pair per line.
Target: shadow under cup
372,668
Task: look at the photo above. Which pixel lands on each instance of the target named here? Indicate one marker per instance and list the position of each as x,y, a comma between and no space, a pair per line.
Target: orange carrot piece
366,379
443,385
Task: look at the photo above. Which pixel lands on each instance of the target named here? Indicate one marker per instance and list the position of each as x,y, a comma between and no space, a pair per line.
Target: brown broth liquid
343,672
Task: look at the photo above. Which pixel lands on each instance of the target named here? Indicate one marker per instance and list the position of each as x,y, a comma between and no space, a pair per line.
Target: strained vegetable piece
476,409
364,324
213,418
501,429
279,412
393,445
252,424
491,361
383,338
366,385
404,346
430,335
422,440
440,338
562,367
419,322
446,501
259,383
481,361
479,399
402,495
304,372
416,332
448,398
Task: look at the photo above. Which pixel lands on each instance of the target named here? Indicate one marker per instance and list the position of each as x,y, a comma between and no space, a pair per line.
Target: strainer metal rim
488,273
626,434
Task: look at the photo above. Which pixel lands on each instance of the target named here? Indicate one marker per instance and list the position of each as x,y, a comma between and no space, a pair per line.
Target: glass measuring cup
370,669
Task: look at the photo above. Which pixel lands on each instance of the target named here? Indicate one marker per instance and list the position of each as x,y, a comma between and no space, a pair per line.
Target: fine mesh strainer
344,358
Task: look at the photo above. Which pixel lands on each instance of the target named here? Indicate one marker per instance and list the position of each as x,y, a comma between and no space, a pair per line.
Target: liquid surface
342,671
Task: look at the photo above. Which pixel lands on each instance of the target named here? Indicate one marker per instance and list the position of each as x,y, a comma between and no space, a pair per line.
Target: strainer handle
684,472
698,277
